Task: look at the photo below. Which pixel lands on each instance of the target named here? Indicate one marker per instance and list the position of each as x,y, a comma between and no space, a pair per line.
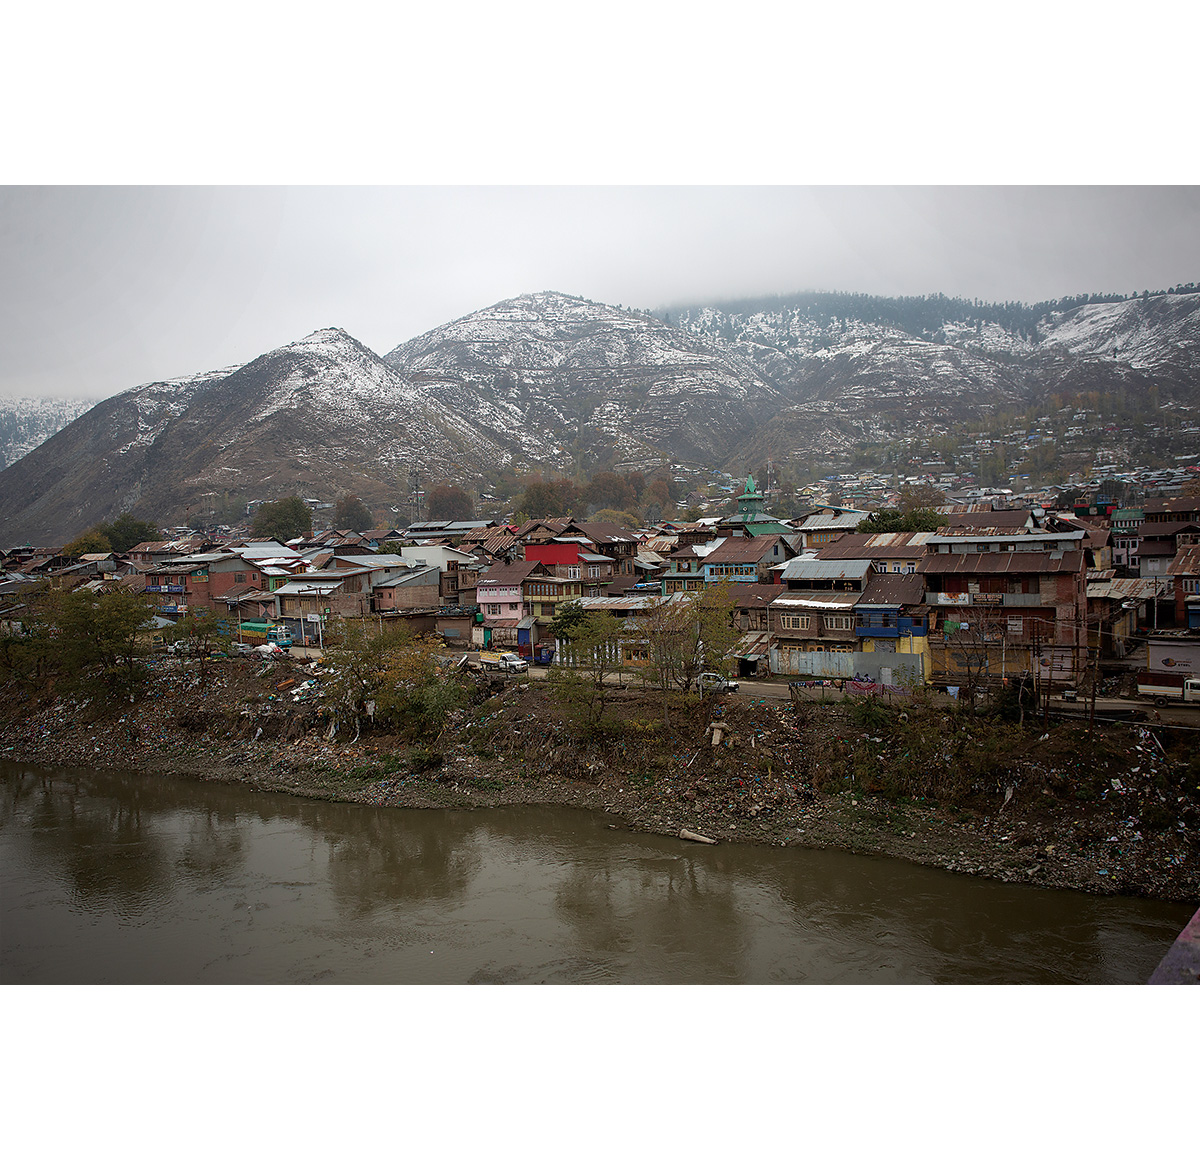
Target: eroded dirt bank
1114,811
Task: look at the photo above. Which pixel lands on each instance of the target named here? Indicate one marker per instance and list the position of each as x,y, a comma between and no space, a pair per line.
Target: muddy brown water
136,878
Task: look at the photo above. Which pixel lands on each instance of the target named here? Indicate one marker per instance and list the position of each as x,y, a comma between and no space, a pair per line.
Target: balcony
997,600
1028,600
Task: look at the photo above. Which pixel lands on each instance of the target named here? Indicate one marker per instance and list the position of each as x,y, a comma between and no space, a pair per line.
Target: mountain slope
26,423
317,417
562,382
558,378
924,365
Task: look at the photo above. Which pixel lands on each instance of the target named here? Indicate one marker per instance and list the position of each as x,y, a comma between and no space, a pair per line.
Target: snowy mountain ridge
561,383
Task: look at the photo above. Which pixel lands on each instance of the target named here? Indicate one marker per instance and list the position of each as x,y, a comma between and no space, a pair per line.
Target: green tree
350,512
96,641
127,530
283,520
567,618
91,541
894,520
393,679
27,645
609,490
447,502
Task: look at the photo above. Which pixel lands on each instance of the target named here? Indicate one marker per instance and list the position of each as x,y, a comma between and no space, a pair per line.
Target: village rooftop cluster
991,593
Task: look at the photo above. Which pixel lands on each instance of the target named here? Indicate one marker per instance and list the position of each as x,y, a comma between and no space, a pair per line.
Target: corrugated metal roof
894,589
1001,563
741,550
747,595
1186,562
849,520
755,644
625,601
1166,527
965,534
874,544
830,570
822,600
300,586
514,574
1128,589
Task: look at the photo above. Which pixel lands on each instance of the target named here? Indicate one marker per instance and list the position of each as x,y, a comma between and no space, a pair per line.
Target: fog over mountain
565,384
103,288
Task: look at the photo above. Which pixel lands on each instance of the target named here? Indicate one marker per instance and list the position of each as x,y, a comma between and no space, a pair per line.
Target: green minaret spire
750,500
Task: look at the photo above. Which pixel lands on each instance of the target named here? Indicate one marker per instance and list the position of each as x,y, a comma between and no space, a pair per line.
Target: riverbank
1113,811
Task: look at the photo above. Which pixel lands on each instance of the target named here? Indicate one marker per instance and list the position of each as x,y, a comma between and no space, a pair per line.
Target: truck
504,660
1166,688
711,683
280,635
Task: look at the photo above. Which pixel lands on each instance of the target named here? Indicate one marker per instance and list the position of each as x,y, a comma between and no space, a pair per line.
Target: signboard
989,598
1181,655
954,599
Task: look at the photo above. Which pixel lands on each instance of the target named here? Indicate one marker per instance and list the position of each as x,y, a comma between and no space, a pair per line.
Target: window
513,605
239,577
493,610
793,621
839,623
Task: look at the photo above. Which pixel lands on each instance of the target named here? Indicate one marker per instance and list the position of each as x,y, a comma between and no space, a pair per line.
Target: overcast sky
104,288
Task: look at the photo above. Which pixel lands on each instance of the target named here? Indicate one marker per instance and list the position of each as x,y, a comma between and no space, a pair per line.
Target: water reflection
102,852
134,878
379,858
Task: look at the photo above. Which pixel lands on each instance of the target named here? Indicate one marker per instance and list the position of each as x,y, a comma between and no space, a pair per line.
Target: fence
882,668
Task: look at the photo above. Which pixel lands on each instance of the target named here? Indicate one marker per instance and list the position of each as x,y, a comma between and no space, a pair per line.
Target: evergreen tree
283,520
126,531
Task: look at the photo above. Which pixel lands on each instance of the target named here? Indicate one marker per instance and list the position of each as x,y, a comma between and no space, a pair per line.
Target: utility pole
1037,664
1049,685
1095,679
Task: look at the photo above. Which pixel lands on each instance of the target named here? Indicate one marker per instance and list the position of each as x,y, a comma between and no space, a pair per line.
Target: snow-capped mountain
1158,333
921,364
561,382
26,423
555,376
314,418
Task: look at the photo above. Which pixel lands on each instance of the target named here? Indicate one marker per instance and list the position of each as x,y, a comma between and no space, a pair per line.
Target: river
134,878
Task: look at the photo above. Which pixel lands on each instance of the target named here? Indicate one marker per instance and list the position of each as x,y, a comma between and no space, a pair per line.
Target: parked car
715,684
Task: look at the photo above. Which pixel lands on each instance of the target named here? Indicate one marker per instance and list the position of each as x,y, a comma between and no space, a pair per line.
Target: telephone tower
415,497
